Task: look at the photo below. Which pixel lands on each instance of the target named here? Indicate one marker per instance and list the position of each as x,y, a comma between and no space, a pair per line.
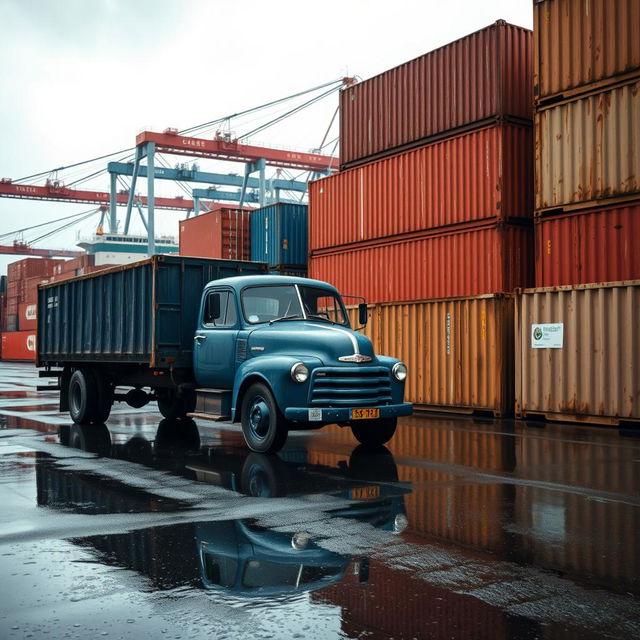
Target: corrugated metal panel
459,352
600,245
580,42
588,149
19,345
595,376
279,235
475,176
145,312
483,75
469,261
223,233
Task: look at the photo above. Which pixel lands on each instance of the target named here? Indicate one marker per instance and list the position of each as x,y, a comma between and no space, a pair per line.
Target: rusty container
582,43
588,149
599,245
484,174
578,353
466,261
223,233
459,351
484,75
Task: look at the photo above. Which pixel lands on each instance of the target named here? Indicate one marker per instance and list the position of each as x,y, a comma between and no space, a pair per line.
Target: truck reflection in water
238,558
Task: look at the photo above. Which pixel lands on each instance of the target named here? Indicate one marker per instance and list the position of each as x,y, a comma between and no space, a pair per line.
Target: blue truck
216,340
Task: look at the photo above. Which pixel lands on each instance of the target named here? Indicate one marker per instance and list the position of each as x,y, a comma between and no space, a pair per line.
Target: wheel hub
259,417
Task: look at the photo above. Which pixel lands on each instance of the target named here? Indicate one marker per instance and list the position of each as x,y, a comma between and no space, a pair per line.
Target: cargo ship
120,248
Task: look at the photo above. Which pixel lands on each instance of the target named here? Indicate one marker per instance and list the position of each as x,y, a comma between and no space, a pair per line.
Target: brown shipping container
601,245
582,42
459,351
19,345
27,317
588,149
220,234
468,261
585,366
475,176
484,75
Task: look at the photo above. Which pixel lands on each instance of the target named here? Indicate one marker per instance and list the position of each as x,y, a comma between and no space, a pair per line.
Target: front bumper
324,415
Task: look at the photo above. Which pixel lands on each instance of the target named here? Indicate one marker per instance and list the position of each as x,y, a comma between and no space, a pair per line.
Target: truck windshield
282,302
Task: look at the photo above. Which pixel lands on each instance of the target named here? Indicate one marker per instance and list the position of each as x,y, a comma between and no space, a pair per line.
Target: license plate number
365,493
364,414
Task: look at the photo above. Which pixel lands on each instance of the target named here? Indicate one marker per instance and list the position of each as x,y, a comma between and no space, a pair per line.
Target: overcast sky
80,78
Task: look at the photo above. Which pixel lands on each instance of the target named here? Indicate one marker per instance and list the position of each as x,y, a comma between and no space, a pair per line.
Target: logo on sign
30,312
31,343
537,333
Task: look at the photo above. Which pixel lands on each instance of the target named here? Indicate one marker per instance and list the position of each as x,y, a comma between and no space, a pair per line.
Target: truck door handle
200,337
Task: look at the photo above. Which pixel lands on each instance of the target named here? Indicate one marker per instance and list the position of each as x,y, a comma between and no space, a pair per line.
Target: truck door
215,340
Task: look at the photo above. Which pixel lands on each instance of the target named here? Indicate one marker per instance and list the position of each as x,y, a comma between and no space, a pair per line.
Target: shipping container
30,268
599,245
582,43
75,266
578,353
144,313
468,261
459,351
279,235
485,174
484,75
588,149
27,316
19,345
223,233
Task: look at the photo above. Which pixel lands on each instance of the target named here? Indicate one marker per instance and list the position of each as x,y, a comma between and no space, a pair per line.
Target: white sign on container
547,336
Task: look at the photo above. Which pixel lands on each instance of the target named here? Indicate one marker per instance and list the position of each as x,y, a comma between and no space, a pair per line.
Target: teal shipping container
279,235
141,313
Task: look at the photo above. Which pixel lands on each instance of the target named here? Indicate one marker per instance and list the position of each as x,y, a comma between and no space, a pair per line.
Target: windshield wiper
297,316
318,317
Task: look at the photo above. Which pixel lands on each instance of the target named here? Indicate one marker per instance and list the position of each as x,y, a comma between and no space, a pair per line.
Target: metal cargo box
142,313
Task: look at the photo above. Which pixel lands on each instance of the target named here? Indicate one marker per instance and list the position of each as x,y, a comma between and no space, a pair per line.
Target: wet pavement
459,528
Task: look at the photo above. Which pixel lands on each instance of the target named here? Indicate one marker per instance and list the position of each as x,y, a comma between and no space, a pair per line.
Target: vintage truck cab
278,353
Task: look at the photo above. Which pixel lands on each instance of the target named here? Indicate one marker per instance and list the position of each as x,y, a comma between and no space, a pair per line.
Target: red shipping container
27,317
475,176
30,268
600,245
223,233
30,289
471,260
484,75
75,266
19,345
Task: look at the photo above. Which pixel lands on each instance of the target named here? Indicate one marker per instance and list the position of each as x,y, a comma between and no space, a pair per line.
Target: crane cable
65,226
44,224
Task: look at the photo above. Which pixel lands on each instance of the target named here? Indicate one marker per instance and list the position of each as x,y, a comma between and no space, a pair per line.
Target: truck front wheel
83,396
263,425
374,432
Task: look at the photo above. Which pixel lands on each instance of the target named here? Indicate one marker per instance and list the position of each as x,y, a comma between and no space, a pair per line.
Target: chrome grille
350,387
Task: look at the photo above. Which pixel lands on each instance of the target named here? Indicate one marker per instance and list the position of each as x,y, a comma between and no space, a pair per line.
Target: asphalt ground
460,528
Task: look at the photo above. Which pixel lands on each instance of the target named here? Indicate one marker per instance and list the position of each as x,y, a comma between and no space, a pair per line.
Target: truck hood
308,338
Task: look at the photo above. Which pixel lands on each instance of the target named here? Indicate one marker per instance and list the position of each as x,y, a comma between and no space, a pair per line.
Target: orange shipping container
459,351
223,233
581,42
27,317
578,353
486,74
588,149
19,345
486,174
470,260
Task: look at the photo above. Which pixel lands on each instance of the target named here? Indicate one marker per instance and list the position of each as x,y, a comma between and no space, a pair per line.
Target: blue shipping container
279,235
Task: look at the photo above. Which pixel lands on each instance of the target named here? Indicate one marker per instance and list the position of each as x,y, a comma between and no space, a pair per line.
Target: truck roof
240,282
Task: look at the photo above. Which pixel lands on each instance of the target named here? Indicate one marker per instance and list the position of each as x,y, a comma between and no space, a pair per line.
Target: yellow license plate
365,493
364,414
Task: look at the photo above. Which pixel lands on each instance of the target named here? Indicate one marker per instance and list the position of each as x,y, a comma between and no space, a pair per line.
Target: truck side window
220,309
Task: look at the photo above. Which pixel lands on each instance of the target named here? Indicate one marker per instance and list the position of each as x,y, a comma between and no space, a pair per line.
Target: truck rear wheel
83,396
374,432
172,406
263,425
104,390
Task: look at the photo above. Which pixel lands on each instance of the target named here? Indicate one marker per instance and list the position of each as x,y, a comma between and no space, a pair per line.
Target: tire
173,407
83,397
374,432
104,390
263,425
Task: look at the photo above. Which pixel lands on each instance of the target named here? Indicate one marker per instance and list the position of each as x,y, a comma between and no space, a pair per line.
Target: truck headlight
399,371
299,372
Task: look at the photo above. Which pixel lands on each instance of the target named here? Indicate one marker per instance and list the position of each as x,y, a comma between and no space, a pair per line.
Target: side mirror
213,307
363,314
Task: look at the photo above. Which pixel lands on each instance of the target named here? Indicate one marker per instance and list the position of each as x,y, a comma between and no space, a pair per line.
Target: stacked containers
587,215
435,198
279,237
222,233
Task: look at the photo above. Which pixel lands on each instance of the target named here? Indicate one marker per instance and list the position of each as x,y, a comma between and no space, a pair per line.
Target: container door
215,340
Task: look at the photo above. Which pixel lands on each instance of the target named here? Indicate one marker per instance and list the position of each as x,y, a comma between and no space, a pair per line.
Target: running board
208,416
212,404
